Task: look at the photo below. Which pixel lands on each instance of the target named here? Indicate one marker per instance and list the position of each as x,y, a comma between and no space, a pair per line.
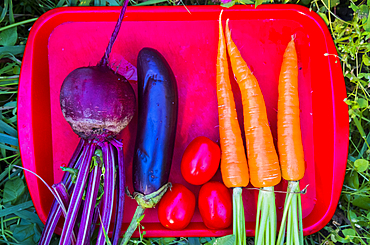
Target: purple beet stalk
120,194
108,197
55,210
76,197
63,195
90,201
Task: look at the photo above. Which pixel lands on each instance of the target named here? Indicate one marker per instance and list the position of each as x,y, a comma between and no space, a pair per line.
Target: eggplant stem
133,225
144,202
104,61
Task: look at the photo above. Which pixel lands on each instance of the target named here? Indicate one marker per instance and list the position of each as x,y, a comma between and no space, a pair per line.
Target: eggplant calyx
149,200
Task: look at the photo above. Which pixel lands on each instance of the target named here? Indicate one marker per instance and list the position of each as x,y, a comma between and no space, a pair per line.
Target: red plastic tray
66,38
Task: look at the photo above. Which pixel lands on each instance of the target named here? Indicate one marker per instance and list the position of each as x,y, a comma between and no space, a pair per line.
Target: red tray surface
67,38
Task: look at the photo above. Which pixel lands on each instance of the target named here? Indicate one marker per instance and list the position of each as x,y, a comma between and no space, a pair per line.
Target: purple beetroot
98,104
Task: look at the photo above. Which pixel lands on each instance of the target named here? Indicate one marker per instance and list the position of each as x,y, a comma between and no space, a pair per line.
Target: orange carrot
288,119
234,166
290,147
262,157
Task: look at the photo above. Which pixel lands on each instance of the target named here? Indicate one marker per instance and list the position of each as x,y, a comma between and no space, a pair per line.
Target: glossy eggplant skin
157,121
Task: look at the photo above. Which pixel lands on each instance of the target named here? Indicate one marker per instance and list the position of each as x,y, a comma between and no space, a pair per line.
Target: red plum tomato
215,205
176,208
200,160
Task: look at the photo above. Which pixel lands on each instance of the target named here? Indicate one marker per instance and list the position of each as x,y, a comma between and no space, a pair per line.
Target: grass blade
16,208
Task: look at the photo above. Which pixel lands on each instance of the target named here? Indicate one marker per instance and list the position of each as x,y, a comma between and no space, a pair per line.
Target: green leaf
13,189
349,232
359,127
331,3
258,2
352,216
352,180
226,240
323,16
362,202
16,70
361,165
9,37
29,216
37,233
341,239
365,58
25,234
354,7
362,103
228,4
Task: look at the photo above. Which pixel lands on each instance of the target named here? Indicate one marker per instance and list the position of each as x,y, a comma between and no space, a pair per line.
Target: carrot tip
294,36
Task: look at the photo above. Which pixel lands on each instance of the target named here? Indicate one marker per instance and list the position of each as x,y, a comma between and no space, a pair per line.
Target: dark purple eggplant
155,139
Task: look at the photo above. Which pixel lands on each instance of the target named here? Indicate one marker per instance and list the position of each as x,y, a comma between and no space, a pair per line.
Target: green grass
19,223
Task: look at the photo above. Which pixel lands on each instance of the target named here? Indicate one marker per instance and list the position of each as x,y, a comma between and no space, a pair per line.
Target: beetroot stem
104,61
76,198
55,210
94,221
108,196
120,200
90,200
61,190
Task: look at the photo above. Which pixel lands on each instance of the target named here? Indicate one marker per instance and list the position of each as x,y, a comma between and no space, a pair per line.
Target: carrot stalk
238,217
262,157
290,146
234,166
300,218
266,217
